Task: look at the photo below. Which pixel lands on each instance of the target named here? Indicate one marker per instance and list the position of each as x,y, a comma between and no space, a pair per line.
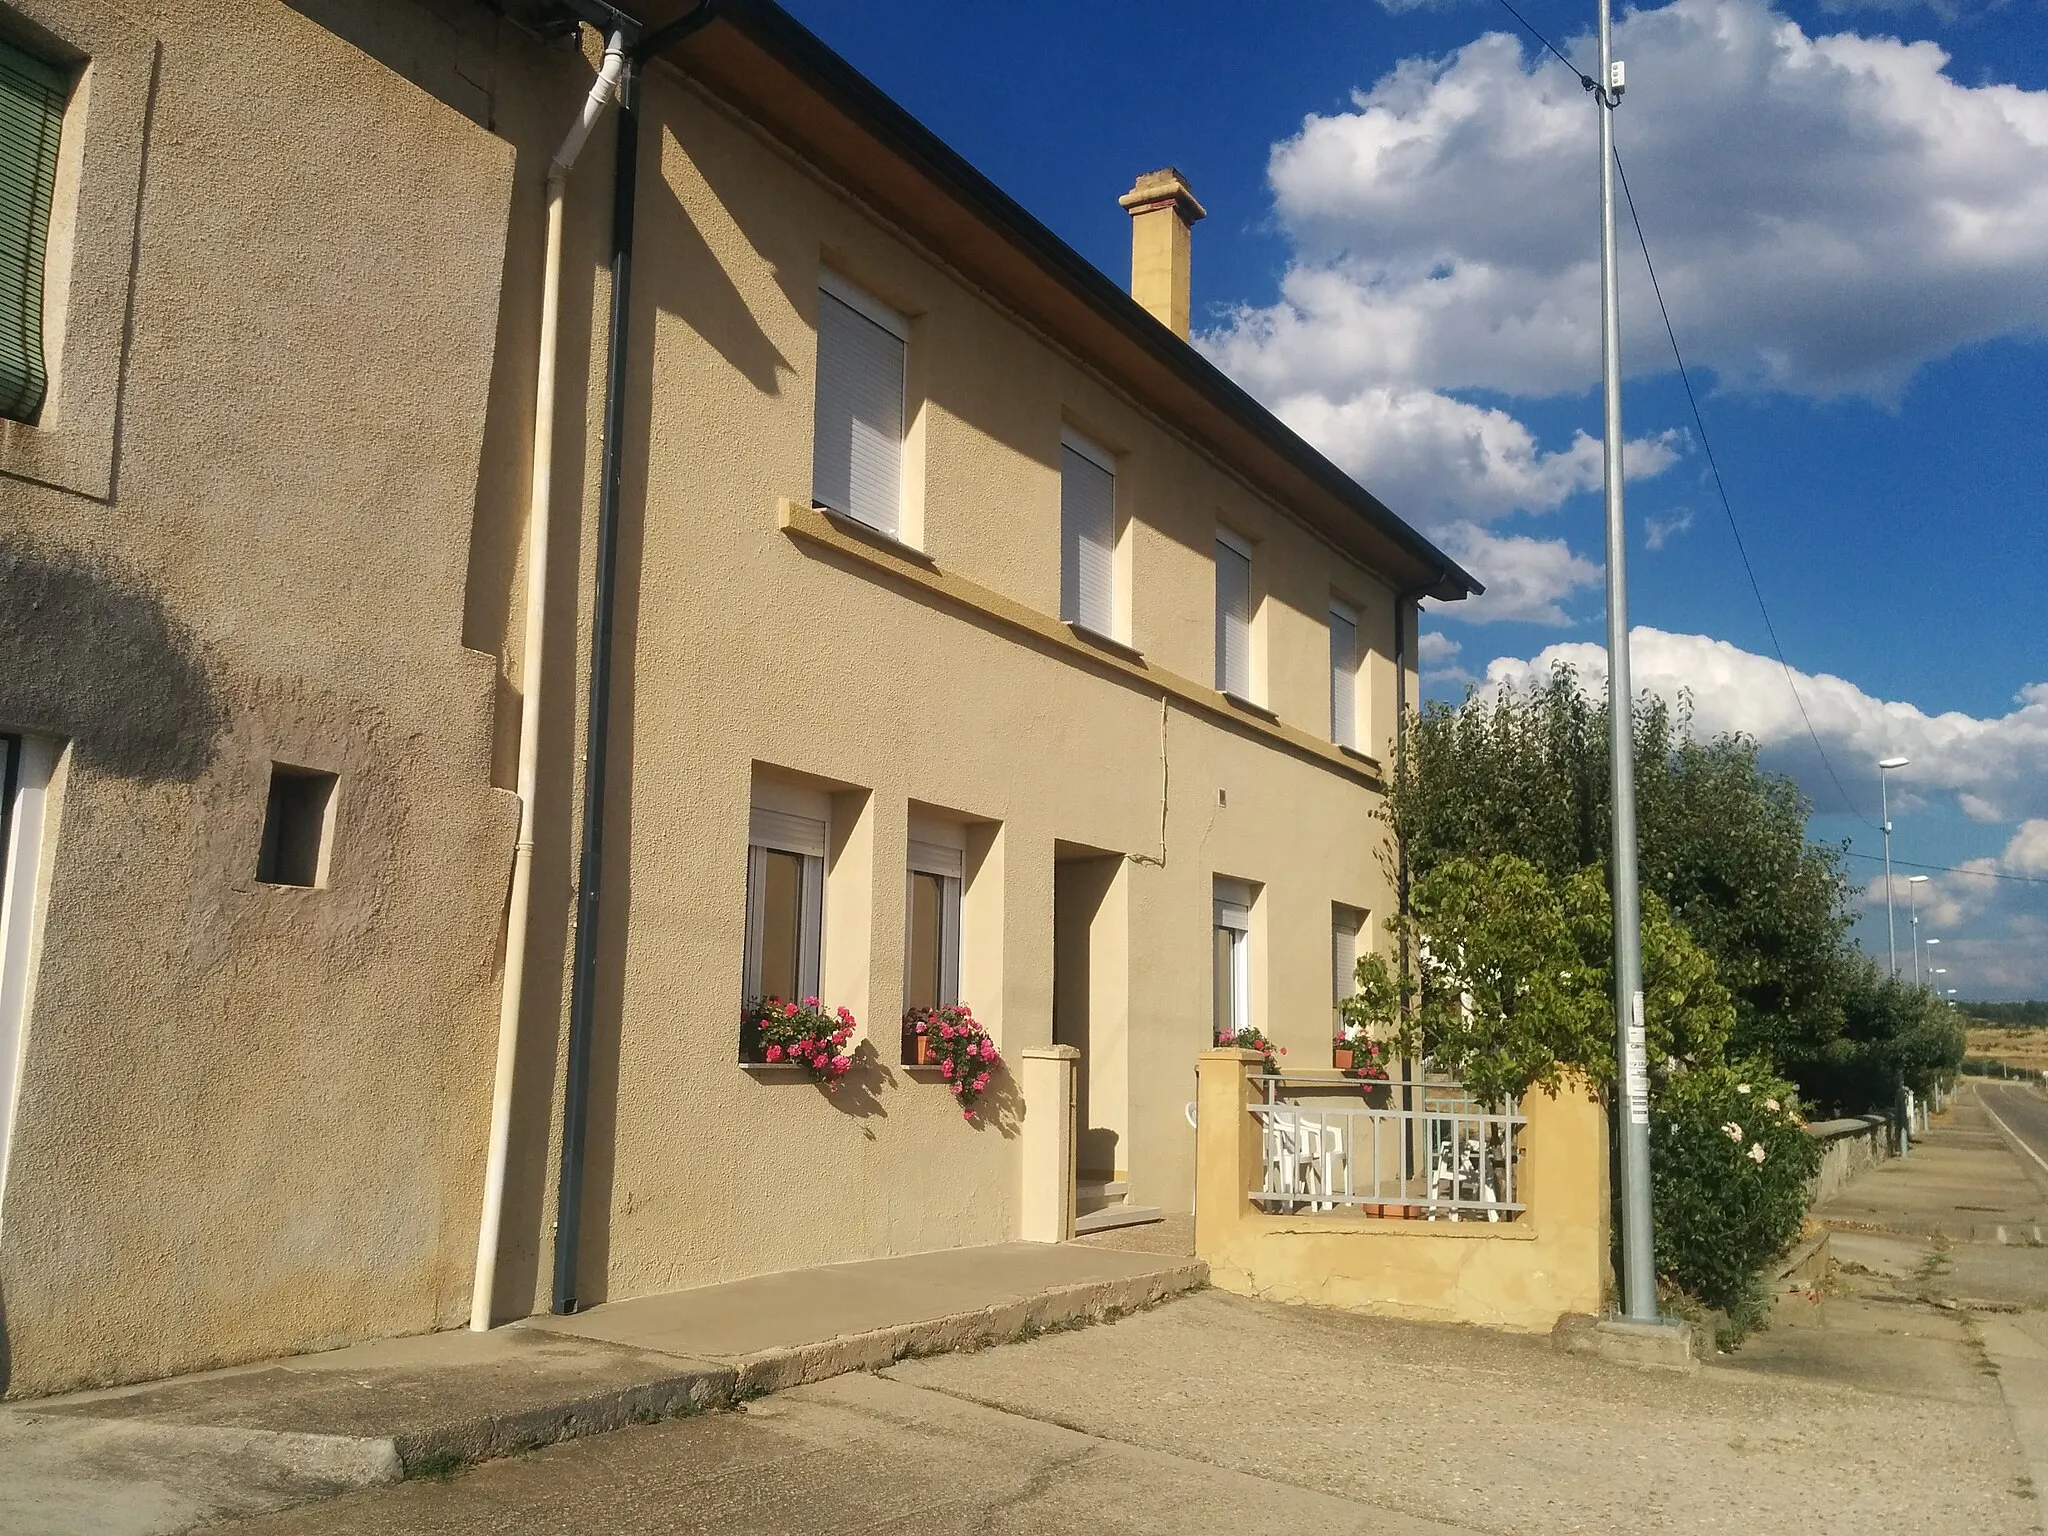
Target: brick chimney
1163,211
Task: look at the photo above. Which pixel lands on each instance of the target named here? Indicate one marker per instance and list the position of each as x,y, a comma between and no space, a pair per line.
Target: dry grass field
2023,1048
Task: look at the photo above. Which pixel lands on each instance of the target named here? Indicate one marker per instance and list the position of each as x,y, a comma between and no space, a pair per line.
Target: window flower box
954,1041
775,1033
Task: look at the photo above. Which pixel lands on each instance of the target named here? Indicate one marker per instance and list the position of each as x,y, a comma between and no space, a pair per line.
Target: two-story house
935,623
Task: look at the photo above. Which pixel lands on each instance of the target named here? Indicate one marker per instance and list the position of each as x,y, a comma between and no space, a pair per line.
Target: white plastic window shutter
1233,615
1087,535
804,836
937,859
1344,928
857,452
1343,676
1232,908
791,834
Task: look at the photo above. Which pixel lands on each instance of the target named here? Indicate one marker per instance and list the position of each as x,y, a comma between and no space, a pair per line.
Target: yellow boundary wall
1522,1275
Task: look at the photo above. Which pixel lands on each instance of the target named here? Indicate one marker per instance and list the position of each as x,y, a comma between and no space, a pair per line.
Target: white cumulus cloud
1996,760
1527,580
1829,213
2027,853
1992,924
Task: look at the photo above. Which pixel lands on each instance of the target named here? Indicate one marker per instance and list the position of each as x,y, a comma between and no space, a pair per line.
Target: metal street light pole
1913,884
1884,779
1638,1258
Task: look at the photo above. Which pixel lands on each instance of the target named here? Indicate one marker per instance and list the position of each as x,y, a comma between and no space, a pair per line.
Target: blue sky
1848,206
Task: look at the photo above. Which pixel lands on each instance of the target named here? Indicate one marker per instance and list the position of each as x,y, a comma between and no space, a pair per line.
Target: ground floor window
26,766
785,905
932,938
1347,924
1232,943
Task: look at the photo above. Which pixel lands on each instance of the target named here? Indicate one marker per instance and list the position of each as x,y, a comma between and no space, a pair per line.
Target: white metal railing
1418,1147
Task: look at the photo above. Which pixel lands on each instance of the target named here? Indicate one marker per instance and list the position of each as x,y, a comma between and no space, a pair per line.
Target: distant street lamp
1885,765
1913,884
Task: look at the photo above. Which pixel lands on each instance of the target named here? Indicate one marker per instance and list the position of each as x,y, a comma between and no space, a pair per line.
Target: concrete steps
1104,1206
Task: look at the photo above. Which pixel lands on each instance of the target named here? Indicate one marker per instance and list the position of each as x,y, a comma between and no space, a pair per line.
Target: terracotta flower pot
926,1052
1341,1056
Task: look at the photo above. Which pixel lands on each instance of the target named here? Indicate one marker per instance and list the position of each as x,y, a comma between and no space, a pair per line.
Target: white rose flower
1742,1087
1757,1153
1731,1130
1771,1105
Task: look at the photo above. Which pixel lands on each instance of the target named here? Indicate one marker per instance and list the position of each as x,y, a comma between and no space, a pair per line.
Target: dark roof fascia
787,39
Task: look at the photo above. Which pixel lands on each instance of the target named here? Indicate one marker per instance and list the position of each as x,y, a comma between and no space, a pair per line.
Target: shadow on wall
96,658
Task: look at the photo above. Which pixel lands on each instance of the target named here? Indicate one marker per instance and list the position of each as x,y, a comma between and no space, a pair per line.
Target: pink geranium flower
774,1053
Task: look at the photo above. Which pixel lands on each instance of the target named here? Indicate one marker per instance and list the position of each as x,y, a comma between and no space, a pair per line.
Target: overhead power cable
1721,486
1706,444
1951,869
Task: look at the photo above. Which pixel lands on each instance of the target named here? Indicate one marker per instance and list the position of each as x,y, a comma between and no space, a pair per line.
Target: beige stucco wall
746,647
251,1120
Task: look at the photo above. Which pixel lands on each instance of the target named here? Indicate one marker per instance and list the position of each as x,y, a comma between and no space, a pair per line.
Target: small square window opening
297,827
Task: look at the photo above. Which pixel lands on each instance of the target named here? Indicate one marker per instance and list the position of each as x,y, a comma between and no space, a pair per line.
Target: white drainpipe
601,92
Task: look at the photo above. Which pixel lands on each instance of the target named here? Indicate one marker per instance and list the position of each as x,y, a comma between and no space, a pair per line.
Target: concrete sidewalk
1938,1256
1963,1183
167,1456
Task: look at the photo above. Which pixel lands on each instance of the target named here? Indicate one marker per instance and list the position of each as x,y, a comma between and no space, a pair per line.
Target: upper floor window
857,454
1233,614
1343,676
1087,535
32,97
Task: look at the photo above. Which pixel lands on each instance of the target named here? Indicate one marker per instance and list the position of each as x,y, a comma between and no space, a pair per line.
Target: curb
441,1450
774,1370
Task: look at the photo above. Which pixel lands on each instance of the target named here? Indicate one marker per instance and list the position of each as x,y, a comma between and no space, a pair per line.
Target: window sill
1357,756
807,526
1097,638
1260,710
868,533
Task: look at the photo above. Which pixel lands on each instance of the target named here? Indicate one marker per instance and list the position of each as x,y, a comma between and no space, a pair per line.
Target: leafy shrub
1729,1165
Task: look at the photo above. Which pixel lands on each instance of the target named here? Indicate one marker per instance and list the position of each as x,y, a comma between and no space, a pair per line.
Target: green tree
1722,843
1516,981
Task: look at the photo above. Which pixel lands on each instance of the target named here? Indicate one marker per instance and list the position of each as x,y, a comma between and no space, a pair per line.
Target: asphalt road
2025,1113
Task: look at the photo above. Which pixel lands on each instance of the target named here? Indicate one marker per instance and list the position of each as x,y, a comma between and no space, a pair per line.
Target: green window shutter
32,96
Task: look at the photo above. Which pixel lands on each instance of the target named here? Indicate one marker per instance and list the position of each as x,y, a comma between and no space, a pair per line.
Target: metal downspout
597,729
533,646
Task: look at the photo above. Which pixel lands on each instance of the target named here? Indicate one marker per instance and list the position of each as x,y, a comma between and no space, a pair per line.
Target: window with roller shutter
857,453
1233,614
32,98
1343,676
1087,535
